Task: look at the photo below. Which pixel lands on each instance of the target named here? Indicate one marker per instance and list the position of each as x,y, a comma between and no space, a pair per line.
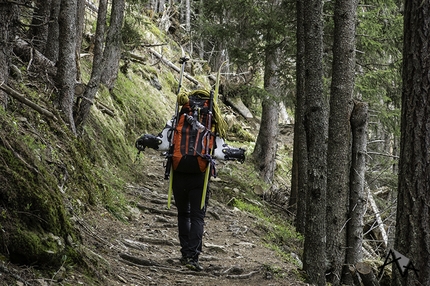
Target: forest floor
145,249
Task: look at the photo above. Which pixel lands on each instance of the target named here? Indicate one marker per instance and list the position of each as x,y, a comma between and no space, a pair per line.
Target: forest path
145,250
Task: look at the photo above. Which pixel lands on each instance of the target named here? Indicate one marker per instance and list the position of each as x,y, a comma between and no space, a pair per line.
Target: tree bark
66,73
297,199
112,52
52,43
365,272
80,21
266,144
37,62
8,18
339,136
84,104
357,191
314,262
413,199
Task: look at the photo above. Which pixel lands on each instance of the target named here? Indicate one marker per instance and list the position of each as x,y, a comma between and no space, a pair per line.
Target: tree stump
367,276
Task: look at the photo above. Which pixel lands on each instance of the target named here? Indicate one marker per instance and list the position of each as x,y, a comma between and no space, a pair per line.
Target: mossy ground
48,177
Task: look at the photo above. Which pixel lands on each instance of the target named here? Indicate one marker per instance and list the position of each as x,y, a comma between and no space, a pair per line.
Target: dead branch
379,221
27,102
172,66
153,45
105,109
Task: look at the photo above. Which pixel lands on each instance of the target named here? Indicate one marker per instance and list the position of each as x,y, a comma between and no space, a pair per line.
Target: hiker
194,140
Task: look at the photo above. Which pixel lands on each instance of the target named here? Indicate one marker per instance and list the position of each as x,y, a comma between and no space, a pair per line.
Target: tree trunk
52,42
80,21
297,199
266,144
87,100
363,274
66,73
8,18
357,191
339,136
112,52
314,256
38,32
413,201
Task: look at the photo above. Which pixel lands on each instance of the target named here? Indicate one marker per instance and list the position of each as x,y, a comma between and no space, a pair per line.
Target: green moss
30,247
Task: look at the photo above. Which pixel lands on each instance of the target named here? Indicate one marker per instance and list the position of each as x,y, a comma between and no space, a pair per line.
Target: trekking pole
168,174
213,97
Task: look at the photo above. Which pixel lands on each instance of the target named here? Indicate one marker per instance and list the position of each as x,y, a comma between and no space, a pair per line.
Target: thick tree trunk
314,260
265,146
66,73
413,201
112,53
297,199
339,136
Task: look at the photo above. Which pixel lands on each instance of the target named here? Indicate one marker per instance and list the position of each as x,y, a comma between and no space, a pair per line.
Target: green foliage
378,81
246,28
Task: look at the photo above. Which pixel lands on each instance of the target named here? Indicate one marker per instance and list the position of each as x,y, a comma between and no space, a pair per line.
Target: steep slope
87,211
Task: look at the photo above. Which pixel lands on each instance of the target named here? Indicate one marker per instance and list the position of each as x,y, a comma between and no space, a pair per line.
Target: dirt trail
145,249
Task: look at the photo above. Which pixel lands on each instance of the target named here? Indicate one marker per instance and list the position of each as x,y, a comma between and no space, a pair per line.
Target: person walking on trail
199,120
193,139
187,191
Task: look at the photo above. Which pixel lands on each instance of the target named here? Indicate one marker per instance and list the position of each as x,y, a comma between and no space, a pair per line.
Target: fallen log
27,102
35,59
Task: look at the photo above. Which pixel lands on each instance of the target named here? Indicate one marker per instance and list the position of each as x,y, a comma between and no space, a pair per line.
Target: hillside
88,211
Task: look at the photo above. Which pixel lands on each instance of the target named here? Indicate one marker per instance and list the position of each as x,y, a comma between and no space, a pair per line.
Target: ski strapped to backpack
214,98
168,174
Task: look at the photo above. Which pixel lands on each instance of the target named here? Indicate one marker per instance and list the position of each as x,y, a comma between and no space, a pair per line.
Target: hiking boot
193,264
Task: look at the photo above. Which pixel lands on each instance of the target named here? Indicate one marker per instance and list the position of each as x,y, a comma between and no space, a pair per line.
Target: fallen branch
27,102
171,65
379,221
105,109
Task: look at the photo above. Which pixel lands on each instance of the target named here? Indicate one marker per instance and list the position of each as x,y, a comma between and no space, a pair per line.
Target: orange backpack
193,141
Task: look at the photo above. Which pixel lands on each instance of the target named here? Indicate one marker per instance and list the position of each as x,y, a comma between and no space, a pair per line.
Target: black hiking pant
187,191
